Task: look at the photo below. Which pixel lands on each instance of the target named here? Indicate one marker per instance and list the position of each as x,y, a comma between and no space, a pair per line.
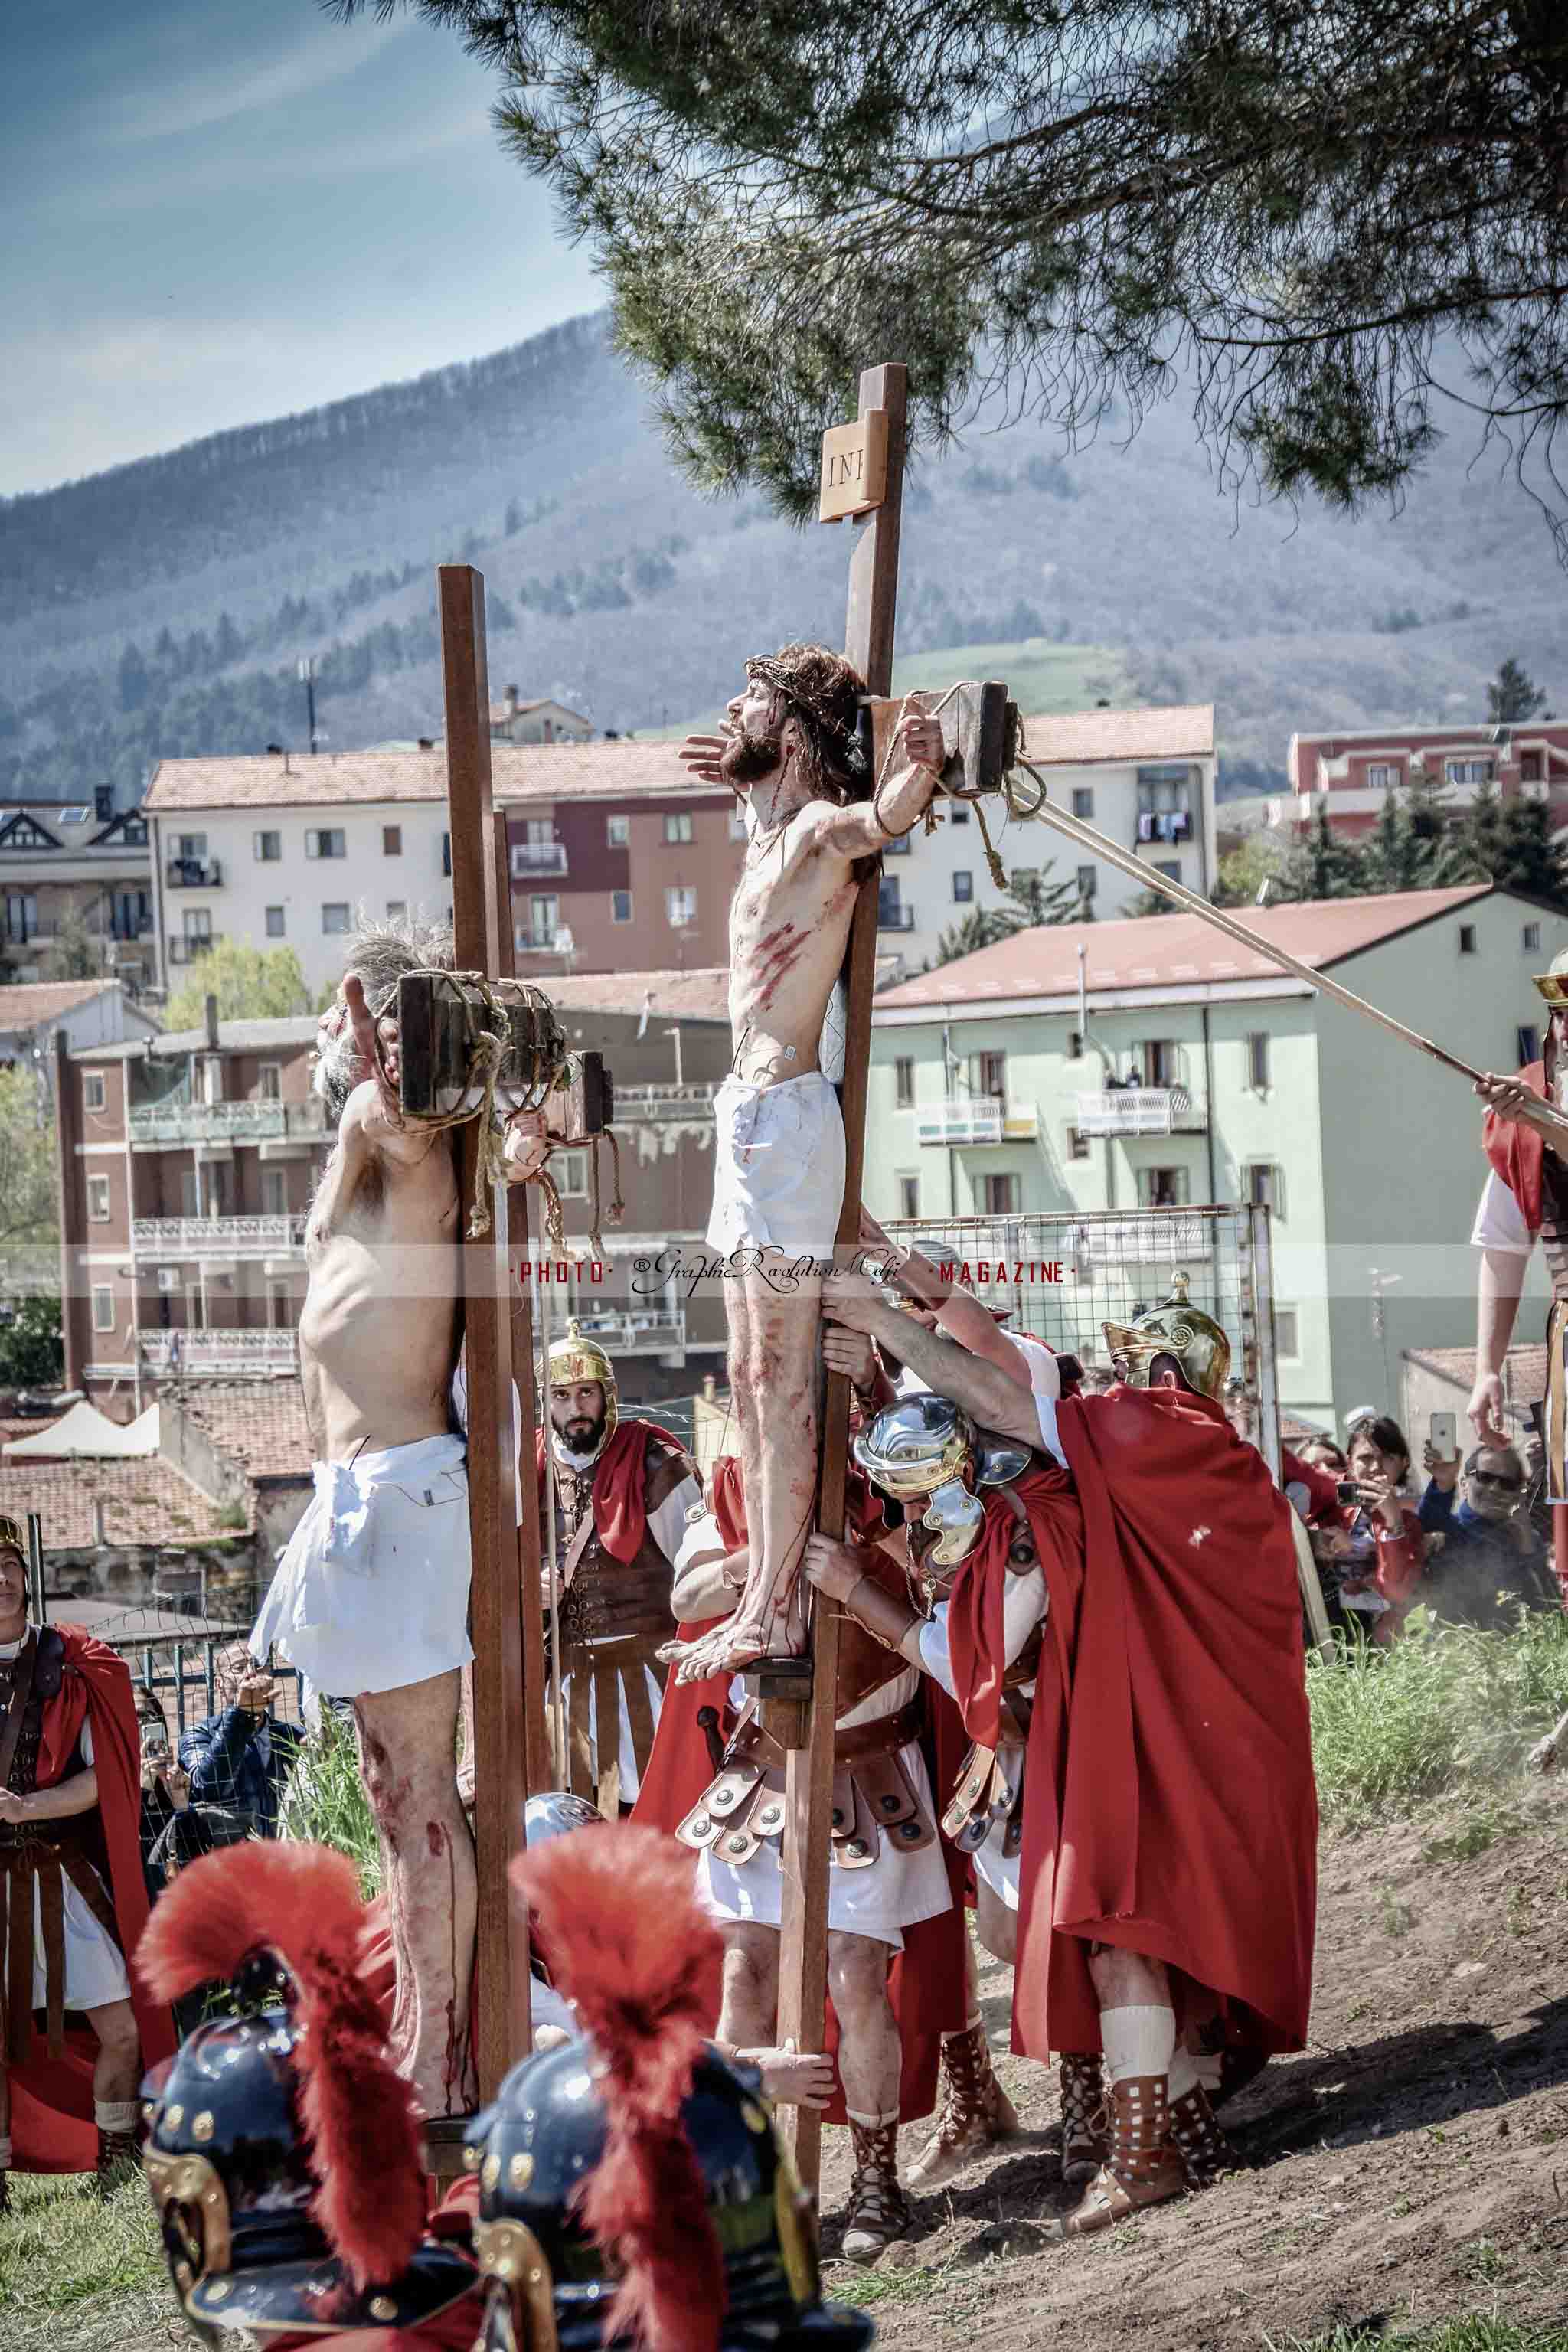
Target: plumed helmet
555,1813
576,1357
276,2218
1553,983
631,2185
1178,1328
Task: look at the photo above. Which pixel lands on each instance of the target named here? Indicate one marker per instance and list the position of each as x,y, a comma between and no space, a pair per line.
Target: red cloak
925,1980
1516,1152
1171,1806
52,2129
620,1513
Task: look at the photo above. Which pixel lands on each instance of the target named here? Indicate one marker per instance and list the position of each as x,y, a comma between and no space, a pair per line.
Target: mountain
161,608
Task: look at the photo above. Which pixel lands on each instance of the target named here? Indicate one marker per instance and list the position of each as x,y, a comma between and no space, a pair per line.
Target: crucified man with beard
792,752
371,1599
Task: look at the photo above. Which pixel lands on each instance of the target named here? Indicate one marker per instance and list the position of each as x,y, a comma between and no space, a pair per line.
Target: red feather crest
629,1946
302,1901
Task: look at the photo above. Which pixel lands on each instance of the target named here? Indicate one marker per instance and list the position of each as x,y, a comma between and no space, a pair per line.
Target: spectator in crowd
1492,1562
1371,1561
239,1760
1323,1453
173,1831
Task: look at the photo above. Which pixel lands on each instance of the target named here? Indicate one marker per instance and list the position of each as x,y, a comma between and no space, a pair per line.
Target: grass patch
1448,1708
1040,676
75,2271
1444,2336
890,2289
325,1802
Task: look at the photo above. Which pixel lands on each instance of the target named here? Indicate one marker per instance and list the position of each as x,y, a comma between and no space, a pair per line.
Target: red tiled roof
519,772
29,1002
259,1424
1526,1369
1176,730
1164,950
145,1502
698,995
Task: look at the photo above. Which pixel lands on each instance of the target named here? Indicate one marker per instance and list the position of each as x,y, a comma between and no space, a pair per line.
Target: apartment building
519,719
1349,777
76,869
1143,778
33,1013
618,858
1156,1066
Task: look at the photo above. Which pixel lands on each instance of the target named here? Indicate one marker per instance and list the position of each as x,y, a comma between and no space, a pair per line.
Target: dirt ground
1411,2165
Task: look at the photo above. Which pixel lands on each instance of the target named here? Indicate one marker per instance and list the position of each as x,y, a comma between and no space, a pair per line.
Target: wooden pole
502,2024
803,1956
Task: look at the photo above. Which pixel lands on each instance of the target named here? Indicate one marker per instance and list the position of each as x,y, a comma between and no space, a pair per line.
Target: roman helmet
631,2183
1553,984
927,1449
555,1813
270,2228
1177,1328
11,1535
577,1357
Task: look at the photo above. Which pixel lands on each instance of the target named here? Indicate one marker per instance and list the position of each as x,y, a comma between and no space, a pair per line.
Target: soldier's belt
872,1795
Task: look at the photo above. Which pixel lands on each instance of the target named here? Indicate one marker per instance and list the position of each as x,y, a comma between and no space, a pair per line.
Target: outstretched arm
373,1116
961,1315
859,831
984,1391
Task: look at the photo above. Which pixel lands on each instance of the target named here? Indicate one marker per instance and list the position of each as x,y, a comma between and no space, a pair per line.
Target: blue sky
217,211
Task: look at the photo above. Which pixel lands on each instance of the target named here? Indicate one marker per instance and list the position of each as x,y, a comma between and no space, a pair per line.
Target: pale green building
1154,1063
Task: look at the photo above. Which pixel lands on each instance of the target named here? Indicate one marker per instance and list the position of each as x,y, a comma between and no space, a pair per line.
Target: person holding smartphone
1492,1562
174,1831
240,1757
1372,1561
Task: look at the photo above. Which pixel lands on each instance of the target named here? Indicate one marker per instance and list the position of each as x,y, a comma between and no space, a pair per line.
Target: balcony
217,1237
644,1331
219,1355
1154,1237
664,1102
186,949
537,857
194,873
976,1119
1160,828
158,1125
895,918
1141,1110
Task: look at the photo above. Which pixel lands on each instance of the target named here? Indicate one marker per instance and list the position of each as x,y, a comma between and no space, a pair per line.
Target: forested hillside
161,608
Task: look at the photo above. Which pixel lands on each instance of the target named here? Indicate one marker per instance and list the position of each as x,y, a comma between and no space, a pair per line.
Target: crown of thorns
820,684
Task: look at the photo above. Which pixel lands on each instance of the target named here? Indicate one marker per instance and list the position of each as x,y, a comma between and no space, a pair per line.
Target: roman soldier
623,1489
72,1890
1526,1197
1167,1862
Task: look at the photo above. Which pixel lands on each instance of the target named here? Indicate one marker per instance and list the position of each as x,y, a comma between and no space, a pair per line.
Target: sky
218,211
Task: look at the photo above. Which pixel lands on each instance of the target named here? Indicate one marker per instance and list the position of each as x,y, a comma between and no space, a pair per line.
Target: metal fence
184,1685
1062,1277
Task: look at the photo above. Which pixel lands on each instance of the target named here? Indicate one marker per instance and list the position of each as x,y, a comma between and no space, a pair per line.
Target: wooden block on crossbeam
782,1688
981,732
441,1017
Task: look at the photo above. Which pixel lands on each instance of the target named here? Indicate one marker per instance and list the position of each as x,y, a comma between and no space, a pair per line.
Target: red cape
619,1512
51,2099
1516,1152
1172,1809
925,1981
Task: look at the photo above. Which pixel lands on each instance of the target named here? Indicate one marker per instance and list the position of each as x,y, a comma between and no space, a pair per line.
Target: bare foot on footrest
725,1651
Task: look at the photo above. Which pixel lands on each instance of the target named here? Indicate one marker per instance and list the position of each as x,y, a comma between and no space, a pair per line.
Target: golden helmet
1553,983
1175,1327
12,1538
577,1357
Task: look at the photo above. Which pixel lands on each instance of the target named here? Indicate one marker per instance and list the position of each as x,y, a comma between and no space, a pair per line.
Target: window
1467,772
570,1172
275,923
1258,1061
1075,1045
1286,1332
189,847
269,1082
1165,803
963,887
1381,777
677,826
1161,1062
909,1196
1171,867
543,918
274,1193
1527,1043
1265,1184
1083,801
1000,1196
1467,938
1530,939
445,853
904,1081
988,1076
1077,1144
1088,881
392,841
1163,1188
958,815
1530,771
199,924
92,1090
103,1307
335,918
325,841
268,847
97,1200
892,915
681,906
737,824
618,832
620,906
21,915
397,908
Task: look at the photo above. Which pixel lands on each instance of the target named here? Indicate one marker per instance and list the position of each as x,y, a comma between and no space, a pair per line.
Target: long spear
1551,1122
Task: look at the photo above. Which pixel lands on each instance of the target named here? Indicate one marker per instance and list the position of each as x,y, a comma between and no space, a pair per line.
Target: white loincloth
372,1593
1025,1603
94,1964
878,1901
778,1166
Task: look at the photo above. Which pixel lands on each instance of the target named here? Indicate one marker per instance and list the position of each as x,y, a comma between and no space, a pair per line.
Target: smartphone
1346,1491
1443,1429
